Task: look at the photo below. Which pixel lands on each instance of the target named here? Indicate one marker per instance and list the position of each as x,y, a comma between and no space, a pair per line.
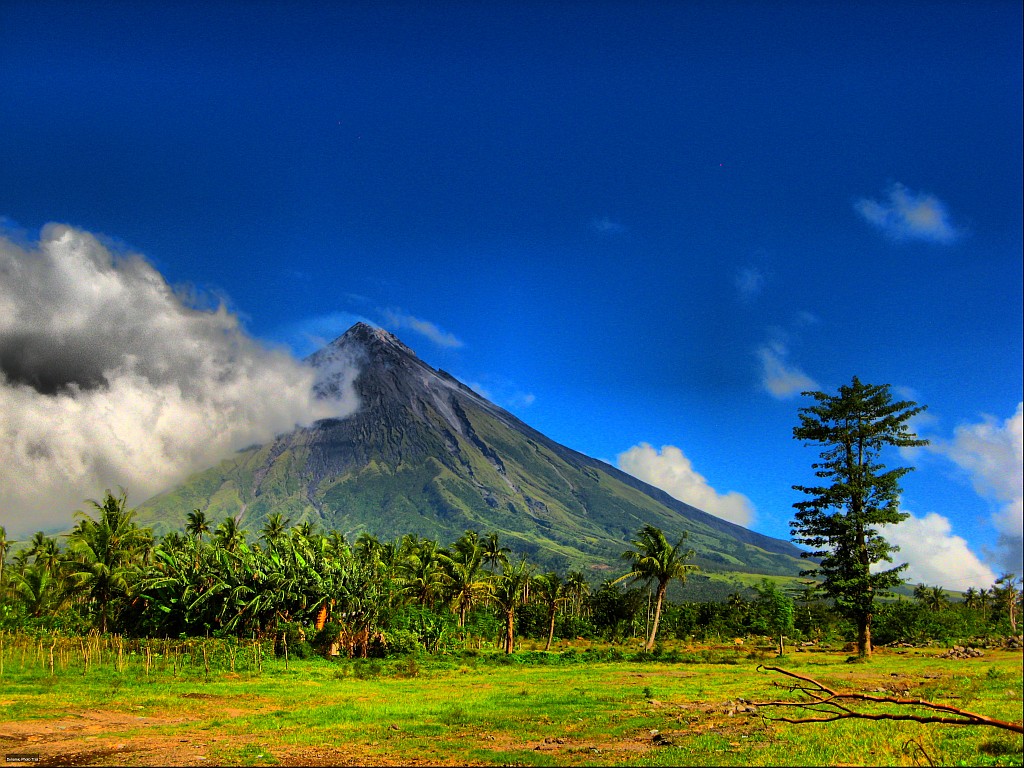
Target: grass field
564,708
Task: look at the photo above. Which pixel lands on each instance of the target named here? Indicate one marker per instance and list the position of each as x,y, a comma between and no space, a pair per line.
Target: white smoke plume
109,377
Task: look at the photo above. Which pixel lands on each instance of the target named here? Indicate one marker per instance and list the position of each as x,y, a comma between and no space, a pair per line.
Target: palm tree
971,598
105,553
654,560
45,552
551,591
39,590
420,571
228,535
510,593
367,549
5,547
197,524
933,598
578,589
1007,591
495,555
274,528
466,583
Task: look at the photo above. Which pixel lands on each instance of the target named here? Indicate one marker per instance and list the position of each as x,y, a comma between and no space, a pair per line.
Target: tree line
370,596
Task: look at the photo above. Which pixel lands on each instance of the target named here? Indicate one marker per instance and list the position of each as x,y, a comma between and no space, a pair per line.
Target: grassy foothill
583,704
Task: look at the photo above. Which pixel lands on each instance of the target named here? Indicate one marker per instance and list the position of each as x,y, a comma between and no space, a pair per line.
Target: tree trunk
551,630
510,629
864,636
321,617
662,586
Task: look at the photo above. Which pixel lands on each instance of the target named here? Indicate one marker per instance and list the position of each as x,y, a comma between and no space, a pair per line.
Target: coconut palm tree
39,590
1008,593
106,553
551,592
508,594
5,547
197,524
274,529
971,598
465,581
655,560
420,572
228,535
495,555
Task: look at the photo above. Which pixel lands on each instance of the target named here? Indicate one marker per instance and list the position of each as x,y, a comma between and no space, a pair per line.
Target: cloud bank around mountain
670,470
109,377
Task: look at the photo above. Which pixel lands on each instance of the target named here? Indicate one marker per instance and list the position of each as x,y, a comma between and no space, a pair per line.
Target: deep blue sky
628,219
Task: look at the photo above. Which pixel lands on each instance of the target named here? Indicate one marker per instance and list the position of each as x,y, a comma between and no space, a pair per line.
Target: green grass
534,709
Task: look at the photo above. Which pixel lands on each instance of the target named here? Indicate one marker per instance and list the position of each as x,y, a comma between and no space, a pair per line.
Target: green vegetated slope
426,455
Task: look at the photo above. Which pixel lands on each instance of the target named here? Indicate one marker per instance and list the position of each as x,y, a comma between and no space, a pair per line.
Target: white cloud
606,226
908,215
109,377
671,471
779,377
750,282
935,556
397,320
992,455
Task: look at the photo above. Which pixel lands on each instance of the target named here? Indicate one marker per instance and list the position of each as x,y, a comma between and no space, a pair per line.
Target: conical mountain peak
371,336
424,454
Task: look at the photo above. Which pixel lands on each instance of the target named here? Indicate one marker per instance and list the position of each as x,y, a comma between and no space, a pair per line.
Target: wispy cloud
396,319
750,282
779,377
670,470
309,334
934,555
908,215
992,455
606,226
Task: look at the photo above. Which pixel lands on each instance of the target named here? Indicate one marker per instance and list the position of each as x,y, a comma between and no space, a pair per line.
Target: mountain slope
424,454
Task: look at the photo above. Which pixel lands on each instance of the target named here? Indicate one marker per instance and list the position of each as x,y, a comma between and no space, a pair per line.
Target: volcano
425,454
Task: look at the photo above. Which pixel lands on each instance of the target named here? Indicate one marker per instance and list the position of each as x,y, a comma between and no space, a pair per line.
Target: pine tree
839,522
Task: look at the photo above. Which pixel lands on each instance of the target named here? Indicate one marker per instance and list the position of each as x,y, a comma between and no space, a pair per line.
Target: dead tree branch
830,705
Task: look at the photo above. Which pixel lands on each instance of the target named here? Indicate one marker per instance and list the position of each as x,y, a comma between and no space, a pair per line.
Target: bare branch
832,709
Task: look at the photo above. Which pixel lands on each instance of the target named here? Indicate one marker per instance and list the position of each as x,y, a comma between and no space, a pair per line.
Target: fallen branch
831,705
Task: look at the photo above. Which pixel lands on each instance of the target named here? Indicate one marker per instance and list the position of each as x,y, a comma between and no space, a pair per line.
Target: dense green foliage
309,592
839,521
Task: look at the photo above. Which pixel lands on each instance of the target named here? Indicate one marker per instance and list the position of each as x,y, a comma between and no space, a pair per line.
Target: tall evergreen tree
840,520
